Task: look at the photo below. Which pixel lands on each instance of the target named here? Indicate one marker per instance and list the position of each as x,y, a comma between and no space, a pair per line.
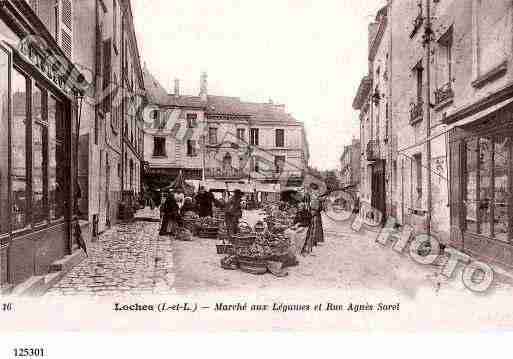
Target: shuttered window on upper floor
67,17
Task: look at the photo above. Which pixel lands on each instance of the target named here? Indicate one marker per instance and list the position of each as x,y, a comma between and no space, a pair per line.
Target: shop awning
244,187
268,187
214,185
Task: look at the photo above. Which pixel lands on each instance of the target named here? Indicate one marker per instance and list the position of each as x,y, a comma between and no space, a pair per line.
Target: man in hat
233,213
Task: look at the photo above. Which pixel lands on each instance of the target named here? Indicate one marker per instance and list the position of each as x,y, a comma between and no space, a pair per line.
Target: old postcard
213,166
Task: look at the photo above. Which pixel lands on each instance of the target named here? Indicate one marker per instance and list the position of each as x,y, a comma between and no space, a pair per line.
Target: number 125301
29,352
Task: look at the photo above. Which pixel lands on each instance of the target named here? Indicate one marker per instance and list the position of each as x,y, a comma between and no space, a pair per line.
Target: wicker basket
243,239
191,225
224,248
245,228
208,232
252,266
230,263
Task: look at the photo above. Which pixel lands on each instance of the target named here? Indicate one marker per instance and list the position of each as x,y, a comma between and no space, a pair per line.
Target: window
119,170
56,21
444,68
419,71
115,23
416,107
280,138
67,17
254,137
241,134
279,163
39,156
159,147
56,169
491,22
4,148
227,162
19,172
191,148
488,173
212,136
131,174
107,45
417,178
256,166
191,120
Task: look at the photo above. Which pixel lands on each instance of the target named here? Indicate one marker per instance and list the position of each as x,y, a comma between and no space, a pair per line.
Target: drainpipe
389,110
427,41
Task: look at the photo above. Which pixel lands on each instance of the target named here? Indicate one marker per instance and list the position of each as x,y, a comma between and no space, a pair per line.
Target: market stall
271,245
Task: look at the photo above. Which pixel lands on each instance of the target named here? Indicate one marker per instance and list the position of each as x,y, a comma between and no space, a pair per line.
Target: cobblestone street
127,259
132,259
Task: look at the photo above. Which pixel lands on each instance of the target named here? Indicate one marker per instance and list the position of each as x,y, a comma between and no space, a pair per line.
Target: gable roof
155,92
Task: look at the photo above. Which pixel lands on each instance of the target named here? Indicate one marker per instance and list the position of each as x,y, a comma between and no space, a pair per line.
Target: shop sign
55,68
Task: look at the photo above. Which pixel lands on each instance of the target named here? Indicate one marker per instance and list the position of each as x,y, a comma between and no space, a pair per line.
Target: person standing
233,213
205,201
188,206
170,213
315,231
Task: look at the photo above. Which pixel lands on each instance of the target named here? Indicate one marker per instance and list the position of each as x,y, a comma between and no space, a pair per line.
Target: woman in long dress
171,219
315,231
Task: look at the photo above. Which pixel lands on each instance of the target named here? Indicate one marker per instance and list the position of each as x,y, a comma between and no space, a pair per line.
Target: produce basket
262,246
191,225
230,262
252,266
224,248
243,239
245,228
260,227
208,232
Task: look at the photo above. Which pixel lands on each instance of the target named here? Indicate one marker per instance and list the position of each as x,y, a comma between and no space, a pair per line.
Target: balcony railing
444,93
372,151
224,173
416,112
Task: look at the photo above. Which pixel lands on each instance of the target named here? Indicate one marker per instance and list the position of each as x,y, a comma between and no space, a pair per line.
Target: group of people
176,206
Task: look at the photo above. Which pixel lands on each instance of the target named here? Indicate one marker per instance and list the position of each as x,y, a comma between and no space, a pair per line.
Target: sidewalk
130,258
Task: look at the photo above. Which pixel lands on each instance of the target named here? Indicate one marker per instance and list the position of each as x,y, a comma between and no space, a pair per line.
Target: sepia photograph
334,165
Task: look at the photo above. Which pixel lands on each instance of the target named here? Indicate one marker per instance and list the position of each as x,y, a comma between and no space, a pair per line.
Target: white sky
309,55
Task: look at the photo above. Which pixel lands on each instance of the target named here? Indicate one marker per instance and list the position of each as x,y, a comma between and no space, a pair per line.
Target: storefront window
471,185
56,160
502,194
4,145
39,157
19,151
488,186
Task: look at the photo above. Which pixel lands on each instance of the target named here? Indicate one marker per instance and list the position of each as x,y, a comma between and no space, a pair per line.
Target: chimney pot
203,86
177,87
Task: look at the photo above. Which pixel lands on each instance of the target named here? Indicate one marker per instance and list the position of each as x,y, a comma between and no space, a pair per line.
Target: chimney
203,86
177,87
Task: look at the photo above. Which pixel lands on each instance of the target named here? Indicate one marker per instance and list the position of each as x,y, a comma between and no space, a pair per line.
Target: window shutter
107,48
67,17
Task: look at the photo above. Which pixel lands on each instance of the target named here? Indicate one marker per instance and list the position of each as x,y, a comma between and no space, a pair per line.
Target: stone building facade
222,141
372,100
349,175
450,171
111,127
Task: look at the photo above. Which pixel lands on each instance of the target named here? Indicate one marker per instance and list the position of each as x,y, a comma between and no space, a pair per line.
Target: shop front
482,185
38,123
